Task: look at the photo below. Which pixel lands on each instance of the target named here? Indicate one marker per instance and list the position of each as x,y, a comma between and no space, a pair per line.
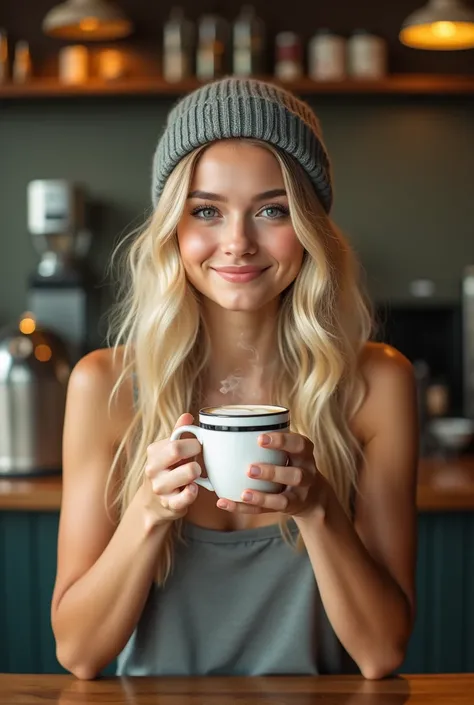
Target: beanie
238,108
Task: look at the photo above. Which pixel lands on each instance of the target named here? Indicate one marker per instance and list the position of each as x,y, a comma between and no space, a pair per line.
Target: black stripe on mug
238,429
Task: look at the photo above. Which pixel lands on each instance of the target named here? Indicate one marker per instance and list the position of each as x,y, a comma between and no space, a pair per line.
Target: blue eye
275,212
204,212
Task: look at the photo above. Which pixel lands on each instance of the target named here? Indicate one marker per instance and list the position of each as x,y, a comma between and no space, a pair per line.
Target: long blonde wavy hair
323,323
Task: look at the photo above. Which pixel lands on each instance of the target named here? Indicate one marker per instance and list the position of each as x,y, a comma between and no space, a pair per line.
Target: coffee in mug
228,435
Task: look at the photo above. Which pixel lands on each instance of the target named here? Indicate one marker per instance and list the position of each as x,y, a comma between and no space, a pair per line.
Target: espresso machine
59,291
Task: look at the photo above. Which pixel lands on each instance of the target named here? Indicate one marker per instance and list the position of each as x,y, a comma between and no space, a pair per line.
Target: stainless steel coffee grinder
60,289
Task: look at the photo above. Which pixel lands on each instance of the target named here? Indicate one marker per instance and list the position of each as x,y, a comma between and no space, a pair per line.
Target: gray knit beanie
243,107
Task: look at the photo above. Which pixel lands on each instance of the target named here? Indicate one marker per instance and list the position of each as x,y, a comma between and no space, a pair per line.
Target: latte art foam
244,410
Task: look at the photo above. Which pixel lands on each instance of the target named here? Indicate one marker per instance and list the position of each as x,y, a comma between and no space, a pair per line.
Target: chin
242,303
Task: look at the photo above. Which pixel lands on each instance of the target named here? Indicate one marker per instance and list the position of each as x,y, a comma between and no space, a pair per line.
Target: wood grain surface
282,690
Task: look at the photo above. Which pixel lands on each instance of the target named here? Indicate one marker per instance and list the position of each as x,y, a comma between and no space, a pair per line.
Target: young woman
239,289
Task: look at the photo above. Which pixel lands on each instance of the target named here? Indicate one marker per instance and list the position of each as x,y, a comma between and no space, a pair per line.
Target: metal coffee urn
34,371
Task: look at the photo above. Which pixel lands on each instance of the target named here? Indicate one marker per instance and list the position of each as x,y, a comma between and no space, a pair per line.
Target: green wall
404,174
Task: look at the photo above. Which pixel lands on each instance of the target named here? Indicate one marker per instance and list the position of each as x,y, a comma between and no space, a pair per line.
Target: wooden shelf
401,84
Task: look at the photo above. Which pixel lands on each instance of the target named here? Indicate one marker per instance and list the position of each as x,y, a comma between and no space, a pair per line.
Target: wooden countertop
301,690
442,486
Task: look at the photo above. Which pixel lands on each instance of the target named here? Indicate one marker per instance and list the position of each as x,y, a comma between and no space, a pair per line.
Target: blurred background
85,87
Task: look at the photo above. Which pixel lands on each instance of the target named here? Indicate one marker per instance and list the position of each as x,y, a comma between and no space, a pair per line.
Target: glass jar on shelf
288,56
248,43
211,61
178,46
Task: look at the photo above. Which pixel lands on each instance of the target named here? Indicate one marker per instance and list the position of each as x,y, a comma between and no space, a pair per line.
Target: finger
184,420
271,502
293,443
283,475
161,456
183,499
168,481
237,507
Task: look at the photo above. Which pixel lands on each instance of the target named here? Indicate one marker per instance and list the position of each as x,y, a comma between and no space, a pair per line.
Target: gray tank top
236,603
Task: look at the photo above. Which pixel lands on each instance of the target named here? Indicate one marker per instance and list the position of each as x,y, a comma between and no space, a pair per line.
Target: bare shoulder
390,388
381,361
99,367
92,381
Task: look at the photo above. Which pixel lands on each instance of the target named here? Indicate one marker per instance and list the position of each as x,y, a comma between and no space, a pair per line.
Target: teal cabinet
27,571
28,542
442,641
443,637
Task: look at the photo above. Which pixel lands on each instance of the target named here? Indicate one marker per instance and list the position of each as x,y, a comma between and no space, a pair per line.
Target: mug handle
196,431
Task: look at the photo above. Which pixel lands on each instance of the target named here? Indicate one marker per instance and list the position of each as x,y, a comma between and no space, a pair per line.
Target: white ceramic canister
327,56
366,56
73,64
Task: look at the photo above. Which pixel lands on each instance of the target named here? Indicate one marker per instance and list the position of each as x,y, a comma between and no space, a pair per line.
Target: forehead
232,164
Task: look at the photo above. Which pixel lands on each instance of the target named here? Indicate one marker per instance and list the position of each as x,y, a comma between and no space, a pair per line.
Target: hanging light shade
95,20
440,25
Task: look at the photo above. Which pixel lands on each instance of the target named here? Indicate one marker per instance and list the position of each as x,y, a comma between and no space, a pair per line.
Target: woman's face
236,239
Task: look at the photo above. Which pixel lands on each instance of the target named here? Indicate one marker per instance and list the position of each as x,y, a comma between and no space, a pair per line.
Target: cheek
193,246
287,248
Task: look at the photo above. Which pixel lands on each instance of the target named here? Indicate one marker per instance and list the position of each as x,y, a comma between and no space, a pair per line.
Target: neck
243,353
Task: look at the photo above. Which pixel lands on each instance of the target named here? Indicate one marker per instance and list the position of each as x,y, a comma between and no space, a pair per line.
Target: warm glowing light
89,24
440,25
439,35
43,353
88,20
443,29
27,325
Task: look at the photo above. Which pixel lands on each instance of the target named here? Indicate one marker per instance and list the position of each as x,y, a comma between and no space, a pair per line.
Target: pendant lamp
94,20
440,25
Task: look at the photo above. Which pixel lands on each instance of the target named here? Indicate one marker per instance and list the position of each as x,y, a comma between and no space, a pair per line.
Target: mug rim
282,410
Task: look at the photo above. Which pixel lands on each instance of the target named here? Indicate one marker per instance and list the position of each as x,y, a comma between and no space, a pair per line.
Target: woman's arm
104,571
366,572
105,568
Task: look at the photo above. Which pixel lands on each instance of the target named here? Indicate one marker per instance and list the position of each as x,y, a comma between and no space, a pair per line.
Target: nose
238,238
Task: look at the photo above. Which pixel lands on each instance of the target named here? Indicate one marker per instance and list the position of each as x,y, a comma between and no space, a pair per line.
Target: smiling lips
239,274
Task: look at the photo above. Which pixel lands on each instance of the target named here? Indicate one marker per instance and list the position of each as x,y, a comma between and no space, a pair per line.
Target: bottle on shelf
178,49
22,62
327,56
288,60
4,68
249,43
366,56
211,52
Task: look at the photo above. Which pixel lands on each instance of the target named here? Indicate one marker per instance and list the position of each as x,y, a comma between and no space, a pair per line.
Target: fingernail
265,440
247,496
255,471
221,504
193,488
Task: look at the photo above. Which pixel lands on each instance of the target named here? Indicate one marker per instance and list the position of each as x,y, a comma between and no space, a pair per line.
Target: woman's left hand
305,486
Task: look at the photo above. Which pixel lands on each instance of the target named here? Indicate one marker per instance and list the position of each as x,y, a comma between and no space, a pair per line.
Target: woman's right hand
169,480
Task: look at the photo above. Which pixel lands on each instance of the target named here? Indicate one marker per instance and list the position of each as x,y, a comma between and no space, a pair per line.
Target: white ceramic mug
228,435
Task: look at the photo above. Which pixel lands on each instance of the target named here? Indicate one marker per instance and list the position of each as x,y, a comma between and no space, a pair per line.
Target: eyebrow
208,196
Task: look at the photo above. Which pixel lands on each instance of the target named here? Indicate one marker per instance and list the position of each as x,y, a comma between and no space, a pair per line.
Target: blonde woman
239,289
